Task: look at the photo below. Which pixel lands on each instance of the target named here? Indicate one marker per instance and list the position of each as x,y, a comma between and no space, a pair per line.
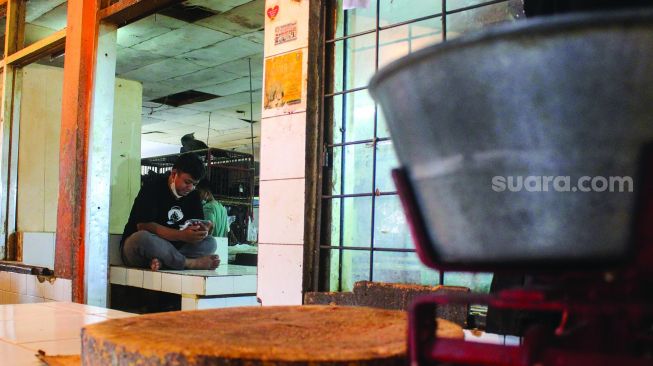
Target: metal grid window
364,235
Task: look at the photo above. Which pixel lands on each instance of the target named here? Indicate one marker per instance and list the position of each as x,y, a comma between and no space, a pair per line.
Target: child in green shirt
213,210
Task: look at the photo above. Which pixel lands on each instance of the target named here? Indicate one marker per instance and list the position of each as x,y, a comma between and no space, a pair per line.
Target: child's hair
204,188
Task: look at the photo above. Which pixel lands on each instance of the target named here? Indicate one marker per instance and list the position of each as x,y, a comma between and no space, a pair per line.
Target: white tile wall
63,290
152,280
281,212
220,285
10,298
280,274
134,277
38,249
192,285
45,289
20,288
118,275
5,280
283,147
241,301
188,303
18,283
171,283
245,284
32,288
197,303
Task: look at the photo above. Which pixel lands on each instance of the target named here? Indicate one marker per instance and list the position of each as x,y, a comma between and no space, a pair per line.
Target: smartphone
191,222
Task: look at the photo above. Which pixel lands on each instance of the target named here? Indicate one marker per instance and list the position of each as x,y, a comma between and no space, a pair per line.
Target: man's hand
193,234
206,225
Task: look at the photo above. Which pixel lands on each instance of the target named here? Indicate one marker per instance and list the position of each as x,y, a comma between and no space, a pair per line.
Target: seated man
155,235
214,211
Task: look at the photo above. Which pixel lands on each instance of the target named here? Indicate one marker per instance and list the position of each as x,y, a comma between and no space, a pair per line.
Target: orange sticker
283,80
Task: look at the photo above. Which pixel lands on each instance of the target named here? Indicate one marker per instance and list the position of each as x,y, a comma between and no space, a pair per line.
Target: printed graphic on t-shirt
175,215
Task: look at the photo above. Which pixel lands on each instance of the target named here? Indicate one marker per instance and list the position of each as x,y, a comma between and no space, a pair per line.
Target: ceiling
203,46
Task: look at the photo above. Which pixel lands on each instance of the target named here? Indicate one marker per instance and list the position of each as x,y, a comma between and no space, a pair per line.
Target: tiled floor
53,327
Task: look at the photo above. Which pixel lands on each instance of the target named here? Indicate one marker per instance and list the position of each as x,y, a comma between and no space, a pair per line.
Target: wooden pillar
10,111
81,44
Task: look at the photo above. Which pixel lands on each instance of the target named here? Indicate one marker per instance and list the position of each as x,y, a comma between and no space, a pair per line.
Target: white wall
125,152
38,151
38,148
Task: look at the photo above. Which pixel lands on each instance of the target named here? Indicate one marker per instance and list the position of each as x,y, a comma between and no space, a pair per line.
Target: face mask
173,189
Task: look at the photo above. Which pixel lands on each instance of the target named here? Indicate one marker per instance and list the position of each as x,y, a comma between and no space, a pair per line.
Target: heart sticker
272,12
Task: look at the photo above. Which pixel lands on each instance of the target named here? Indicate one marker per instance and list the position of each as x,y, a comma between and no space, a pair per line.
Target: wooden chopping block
256,336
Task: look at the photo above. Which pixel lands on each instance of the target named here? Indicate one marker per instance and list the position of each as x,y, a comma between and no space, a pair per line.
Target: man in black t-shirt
157,233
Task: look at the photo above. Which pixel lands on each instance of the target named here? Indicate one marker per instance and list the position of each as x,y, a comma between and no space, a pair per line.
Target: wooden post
10,111
80,63
15,32
81,44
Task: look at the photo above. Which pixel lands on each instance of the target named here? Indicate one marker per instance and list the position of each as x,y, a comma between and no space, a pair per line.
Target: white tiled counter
228,285
492,338
21,288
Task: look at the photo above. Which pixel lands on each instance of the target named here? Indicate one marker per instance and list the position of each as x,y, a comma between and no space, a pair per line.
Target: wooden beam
128,11
315,174
81,44
15,31
54,43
